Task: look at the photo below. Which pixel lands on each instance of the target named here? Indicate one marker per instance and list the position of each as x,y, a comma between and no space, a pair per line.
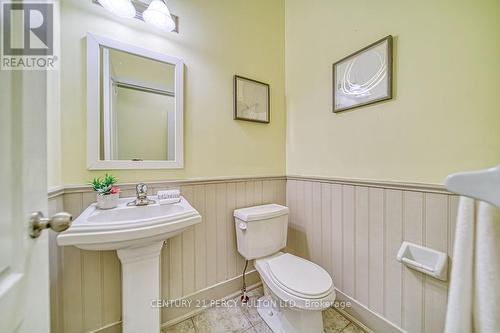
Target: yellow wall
446,113
444,118
54,161
217,39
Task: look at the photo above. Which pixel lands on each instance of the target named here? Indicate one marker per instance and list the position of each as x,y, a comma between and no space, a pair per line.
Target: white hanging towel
474,296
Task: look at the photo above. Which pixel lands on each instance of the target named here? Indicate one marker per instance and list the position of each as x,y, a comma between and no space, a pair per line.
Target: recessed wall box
424,259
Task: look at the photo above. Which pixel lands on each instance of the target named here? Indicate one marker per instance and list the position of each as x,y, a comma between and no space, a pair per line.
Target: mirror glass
137,107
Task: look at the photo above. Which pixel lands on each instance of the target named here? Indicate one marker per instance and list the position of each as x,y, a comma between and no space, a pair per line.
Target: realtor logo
28,36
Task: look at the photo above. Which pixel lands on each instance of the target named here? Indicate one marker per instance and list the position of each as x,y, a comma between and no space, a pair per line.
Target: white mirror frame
94,42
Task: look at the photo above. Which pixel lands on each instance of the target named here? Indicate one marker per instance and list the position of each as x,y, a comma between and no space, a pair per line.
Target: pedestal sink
137,234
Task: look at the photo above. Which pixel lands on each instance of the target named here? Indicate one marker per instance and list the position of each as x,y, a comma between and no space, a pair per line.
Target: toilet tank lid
262,212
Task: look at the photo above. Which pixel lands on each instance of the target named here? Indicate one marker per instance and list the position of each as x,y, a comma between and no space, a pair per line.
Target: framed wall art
251,100
364,77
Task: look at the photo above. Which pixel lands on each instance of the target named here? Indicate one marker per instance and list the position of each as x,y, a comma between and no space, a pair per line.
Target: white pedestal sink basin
137,234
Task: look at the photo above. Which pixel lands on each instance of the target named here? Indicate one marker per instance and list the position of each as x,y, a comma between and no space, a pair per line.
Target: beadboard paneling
362,226
86,285
352,229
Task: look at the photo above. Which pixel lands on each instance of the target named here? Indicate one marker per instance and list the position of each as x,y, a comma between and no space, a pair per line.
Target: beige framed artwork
251,100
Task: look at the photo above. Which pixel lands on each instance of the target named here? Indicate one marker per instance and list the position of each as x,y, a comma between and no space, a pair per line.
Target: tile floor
244,318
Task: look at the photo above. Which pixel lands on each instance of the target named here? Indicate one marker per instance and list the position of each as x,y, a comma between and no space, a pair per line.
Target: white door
24,262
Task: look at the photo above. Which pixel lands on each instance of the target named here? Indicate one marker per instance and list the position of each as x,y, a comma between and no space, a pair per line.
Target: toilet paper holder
424,259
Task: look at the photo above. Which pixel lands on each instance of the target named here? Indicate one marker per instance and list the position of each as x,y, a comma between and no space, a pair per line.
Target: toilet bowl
295,290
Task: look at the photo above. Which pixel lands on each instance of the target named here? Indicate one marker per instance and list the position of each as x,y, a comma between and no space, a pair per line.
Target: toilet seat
297,281
300,277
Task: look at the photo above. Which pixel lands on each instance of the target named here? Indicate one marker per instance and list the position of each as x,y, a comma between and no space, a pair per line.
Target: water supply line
244,298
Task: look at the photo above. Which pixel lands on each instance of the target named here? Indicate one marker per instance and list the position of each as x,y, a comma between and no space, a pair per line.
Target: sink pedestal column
140,286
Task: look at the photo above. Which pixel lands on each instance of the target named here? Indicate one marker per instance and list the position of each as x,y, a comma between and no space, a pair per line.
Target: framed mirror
134,107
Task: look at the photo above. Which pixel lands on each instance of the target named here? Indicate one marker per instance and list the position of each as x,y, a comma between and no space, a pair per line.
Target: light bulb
159,16
122,8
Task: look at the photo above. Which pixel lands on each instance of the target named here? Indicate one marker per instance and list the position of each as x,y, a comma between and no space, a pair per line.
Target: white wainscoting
86,285
354,230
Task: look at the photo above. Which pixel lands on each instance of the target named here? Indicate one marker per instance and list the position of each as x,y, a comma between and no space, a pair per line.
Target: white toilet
295,289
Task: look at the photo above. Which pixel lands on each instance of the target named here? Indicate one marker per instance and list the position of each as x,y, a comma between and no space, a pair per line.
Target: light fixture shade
159,16
122,8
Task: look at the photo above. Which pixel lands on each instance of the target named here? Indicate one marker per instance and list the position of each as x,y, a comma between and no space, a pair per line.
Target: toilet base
288,320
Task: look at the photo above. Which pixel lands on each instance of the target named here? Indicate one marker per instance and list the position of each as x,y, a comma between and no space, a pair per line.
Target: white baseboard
111,328
364,317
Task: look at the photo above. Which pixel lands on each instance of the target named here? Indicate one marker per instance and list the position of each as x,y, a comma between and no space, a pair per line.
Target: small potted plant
107,194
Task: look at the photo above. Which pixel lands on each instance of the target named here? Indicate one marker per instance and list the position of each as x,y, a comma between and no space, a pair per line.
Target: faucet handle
142,190
142,196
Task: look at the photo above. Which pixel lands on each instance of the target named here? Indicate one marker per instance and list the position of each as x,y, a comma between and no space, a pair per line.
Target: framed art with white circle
251,100
364,77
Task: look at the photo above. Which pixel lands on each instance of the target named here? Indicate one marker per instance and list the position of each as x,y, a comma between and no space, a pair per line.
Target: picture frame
251,100
364,77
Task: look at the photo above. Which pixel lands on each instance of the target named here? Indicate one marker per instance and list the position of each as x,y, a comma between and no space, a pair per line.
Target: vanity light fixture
159,16
153,12
122,8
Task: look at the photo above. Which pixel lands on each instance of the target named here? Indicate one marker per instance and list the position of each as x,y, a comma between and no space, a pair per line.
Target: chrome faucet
142,196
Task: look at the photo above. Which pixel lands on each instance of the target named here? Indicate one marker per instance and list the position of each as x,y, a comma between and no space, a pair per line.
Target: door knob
59,222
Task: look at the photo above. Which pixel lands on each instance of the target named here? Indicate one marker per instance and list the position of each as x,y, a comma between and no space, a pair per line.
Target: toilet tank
261,230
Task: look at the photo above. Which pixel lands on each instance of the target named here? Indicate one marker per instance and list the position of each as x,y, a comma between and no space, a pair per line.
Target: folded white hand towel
168,201
169,194
168,197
